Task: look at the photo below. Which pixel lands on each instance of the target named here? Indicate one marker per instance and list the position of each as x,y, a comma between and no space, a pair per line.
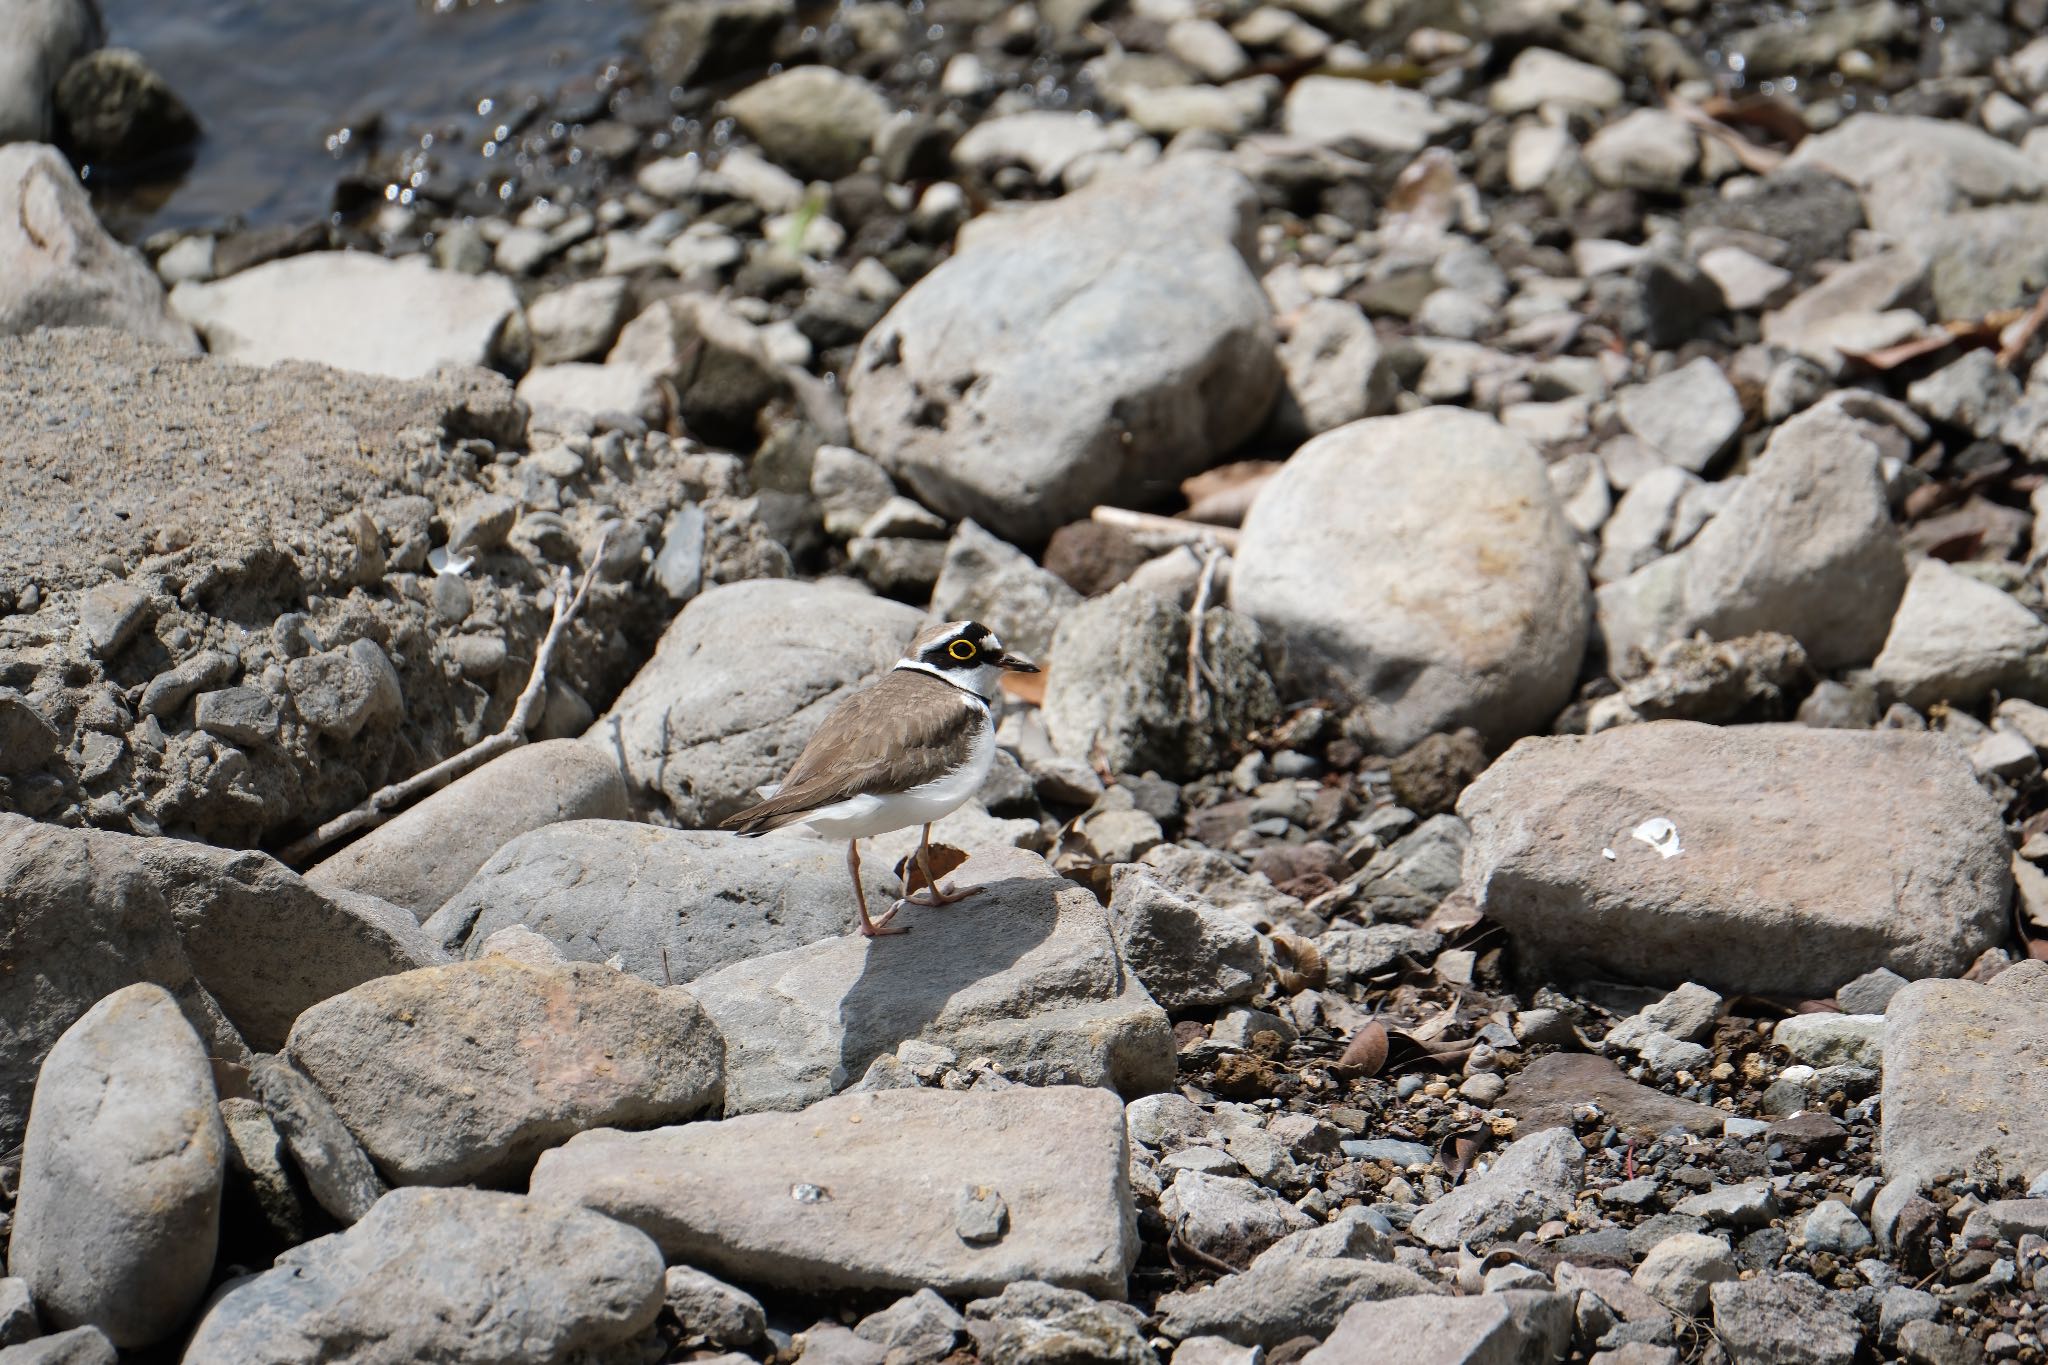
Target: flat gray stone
1281,1298
670,904
470,1277
354,310
1956,638
1687,416
1186,954
857,1192
1832,1039
1680,1270
704,725
79,1346
1521,1325
709,1309
1783,1319
119,1208
1536,1179
1228,1217
1432,590
1069,354
1025,973
991,581
1803,858
464,1074
430,852
1966,1078
337,1170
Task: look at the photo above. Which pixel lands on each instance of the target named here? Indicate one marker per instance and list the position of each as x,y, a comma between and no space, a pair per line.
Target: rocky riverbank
1527,846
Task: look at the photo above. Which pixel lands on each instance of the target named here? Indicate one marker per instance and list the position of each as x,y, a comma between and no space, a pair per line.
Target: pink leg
933,894
869,928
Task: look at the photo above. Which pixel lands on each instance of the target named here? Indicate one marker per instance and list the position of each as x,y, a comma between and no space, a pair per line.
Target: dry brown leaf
1461,1148
1366,1053
1028,687
944,858
1778,117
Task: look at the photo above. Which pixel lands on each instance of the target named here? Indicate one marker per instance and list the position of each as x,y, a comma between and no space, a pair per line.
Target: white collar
919,666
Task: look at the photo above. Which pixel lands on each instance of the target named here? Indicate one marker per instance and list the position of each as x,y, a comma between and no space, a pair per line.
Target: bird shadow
908,981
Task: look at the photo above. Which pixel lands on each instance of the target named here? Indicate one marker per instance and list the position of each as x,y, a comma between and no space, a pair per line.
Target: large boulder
1805,547
739,683
1966,1079
1096,349
119,1210
466,1073
1024,973
84,913
888,1190
357,311
58,266
467,1277
1419,566
430,852
669,904
1748,858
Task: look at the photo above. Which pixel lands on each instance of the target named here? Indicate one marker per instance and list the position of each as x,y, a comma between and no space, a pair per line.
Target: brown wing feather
902,730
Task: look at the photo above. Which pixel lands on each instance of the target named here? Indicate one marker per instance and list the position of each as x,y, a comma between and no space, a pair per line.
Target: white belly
863,817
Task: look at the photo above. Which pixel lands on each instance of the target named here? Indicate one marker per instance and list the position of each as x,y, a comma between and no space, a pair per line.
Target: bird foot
879,926
936,895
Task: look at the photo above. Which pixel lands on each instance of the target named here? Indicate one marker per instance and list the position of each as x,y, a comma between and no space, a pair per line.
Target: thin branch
382,804
1198,695
2023,332
1165,531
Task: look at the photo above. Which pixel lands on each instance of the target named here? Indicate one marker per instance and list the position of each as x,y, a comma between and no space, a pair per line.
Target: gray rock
1227,1217
1982,260
709,1309
259,1189
1018,384
576,396
1644,149
1687,1013
1783,1319
114,109
814,120
1367,114
243,715
1336,370
118,1214
1047,142
17,1312
1212,879
1032,1323
987,580
79,1346
702,42
1883,851
27,739
1900,1306
703,725
89,912
579,320
1973,392
1352,552
1859,306
1832,1039
464,1276
43,39
1024,973
1536,1179
1680,1270
1519,1325
1870,993
1281,1298
1539,77
1930,1343
916,1328
718,364
1956,638
850,488
339,691
357,311
670,905
1910,169
1117,690
1958,1096
1787,45
429,852
1834,1227
1352,956
1187,955
1805,547
462,1075
1687,416
60,267
337,1170
857,1191
1742,1206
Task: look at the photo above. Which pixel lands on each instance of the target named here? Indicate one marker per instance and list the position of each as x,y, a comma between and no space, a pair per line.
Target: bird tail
771,814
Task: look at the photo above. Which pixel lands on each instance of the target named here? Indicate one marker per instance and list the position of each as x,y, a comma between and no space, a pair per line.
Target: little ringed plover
905,750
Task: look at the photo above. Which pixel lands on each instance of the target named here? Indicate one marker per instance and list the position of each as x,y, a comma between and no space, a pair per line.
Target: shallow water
273,82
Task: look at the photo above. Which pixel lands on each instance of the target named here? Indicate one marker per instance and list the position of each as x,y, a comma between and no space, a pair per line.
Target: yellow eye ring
961,649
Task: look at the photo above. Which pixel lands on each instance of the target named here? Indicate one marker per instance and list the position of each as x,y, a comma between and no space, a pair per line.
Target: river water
276,84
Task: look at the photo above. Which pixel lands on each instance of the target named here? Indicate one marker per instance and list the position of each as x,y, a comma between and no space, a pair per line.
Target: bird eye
962,650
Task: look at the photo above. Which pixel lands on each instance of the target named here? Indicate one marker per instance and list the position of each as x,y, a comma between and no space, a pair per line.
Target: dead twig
1166,532
1198,695
2023,332
1756,160
382,804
